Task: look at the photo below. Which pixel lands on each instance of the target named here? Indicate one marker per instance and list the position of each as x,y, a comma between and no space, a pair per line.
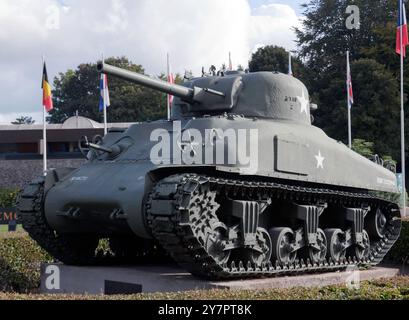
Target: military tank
237,184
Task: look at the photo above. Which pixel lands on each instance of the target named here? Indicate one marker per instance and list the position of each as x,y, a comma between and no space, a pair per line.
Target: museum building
21,147
25,141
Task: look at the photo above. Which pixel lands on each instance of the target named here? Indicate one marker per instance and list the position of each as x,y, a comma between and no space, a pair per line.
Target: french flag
104,101
402,30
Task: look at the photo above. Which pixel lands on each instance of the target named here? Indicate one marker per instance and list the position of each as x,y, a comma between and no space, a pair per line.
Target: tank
237,184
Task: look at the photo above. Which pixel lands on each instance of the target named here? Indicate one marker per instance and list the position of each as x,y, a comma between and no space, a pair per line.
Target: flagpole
290,67
105,108
44,136
105,121
168,96
349,105
402,115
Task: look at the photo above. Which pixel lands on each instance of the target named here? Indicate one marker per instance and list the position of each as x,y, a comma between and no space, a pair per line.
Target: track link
174,199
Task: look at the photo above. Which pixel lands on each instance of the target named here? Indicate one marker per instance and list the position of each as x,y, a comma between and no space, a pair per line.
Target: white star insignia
304,103
320,160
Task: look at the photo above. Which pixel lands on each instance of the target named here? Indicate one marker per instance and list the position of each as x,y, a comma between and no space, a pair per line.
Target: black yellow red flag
47,95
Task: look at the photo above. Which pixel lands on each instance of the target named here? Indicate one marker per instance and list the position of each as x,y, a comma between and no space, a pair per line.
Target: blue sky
295,4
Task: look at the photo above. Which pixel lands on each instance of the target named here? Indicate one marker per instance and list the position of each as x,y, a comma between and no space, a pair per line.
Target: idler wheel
336,249
318,253
361,251
283,246
376,224
216,243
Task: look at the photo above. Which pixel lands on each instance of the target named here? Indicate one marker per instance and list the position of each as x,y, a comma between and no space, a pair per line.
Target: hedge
400,251
20,260
8,197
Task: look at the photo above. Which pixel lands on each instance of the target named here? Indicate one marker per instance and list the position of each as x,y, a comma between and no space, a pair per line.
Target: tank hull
109,196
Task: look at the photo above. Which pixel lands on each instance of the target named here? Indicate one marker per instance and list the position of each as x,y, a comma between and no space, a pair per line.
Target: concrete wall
17,173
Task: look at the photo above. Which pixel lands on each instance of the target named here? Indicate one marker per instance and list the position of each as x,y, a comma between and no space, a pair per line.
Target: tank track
177,234
31,215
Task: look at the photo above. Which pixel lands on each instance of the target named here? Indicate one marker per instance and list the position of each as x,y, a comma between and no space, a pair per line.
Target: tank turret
261,94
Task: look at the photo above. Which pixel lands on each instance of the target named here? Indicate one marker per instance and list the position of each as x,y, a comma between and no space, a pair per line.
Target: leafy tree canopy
323,41
364,148
78,90
24,120
274,58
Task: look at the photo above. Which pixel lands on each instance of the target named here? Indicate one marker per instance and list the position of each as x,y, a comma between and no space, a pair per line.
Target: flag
230,62
47,96
402,29
171,80
349,85
104,101
290,68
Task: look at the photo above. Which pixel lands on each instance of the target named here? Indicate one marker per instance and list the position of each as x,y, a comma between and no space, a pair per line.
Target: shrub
400,251
8,197
20,260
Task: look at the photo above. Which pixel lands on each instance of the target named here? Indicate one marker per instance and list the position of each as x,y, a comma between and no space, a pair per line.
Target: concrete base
58,279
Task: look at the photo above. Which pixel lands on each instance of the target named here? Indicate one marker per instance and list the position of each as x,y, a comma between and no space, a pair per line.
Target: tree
375,113
324,37
364,148
78,90
24,120
274,58
323,41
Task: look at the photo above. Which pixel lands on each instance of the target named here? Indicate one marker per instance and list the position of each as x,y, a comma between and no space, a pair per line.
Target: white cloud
275,10
196,33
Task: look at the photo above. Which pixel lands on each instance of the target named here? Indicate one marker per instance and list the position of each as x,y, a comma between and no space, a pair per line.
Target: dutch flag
104,101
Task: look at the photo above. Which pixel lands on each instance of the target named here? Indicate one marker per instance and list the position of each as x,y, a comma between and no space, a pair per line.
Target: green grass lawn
5,228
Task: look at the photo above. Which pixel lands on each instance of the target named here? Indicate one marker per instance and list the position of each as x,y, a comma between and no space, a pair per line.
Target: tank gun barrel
182,92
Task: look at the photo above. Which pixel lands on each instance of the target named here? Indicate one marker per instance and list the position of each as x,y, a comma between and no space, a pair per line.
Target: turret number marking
290,99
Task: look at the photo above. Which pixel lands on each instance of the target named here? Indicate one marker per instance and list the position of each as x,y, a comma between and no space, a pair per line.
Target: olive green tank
238,183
